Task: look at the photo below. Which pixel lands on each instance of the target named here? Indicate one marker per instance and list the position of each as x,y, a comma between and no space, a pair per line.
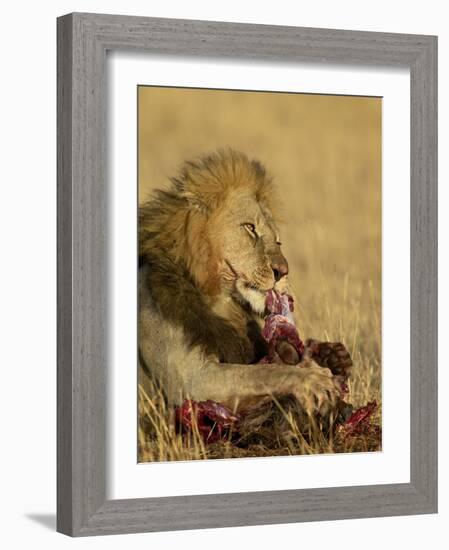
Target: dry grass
281,434
325,155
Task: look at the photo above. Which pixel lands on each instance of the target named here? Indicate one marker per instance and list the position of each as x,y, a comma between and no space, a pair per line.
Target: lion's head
218,220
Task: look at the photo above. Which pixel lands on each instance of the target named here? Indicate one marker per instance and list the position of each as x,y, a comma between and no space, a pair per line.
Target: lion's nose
280,267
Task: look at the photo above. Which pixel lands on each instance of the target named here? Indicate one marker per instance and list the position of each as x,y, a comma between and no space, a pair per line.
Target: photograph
259,273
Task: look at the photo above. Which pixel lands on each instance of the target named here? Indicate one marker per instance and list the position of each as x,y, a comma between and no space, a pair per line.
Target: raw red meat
213,419
359,423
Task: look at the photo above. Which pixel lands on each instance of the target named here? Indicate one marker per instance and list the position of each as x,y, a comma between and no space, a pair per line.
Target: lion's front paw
317,391
331,355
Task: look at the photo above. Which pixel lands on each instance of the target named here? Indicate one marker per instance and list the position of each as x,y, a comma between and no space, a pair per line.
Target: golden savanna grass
325,155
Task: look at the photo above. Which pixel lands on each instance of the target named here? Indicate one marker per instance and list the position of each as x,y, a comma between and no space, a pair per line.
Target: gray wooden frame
83,40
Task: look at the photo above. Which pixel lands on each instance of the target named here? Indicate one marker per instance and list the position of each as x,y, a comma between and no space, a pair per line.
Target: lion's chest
257,341
246,324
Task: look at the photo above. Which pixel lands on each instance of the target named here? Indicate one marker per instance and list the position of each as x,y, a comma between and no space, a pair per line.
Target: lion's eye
251,228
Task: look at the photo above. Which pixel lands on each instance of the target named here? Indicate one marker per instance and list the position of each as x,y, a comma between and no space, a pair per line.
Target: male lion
209,251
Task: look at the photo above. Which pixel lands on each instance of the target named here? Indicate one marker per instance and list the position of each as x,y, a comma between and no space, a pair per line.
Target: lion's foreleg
241,387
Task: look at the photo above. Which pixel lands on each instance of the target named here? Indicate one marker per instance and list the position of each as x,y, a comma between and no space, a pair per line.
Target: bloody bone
279,331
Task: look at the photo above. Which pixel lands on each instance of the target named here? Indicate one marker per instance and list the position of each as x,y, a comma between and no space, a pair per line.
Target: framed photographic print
247,285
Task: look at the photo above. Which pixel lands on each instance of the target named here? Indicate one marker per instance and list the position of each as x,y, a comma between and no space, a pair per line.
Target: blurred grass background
325,155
